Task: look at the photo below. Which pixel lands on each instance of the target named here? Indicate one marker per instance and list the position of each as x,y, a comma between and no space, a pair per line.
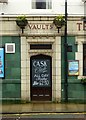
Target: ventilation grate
10,47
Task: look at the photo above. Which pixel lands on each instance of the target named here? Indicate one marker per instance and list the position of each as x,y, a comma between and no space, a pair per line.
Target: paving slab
43,107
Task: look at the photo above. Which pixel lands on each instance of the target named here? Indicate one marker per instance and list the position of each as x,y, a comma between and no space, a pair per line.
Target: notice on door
41,72
73,67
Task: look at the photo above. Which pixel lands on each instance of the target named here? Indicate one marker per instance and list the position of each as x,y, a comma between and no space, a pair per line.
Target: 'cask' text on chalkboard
40,72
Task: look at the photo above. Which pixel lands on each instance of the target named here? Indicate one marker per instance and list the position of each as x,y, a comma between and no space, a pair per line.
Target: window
84,59
41,4
40,46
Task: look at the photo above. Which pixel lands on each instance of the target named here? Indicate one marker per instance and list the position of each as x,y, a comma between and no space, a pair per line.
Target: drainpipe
66,60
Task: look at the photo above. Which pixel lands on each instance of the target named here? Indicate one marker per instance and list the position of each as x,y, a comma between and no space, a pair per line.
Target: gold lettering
47,26
79,26
40,26
84,26
30,26
34,27
43,26
51,26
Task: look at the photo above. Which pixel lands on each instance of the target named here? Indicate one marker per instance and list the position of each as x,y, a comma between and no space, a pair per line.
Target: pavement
45,116
43,108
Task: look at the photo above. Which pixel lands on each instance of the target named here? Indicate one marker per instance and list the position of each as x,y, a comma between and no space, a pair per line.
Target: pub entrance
41,78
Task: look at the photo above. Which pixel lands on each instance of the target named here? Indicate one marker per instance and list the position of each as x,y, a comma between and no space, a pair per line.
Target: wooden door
41,78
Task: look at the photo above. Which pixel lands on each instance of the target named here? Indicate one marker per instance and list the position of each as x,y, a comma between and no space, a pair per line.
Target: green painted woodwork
11,90
11,84
76,90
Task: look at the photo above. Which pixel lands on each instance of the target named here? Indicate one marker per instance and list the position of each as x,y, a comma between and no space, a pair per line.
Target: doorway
41,78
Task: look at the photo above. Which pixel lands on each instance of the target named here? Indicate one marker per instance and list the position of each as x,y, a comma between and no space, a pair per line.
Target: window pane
41,4
84,59
40,0
41,46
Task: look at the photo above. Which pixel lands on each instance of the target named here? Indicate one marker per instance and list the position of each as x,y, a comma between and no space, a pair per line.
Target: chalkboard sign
41,72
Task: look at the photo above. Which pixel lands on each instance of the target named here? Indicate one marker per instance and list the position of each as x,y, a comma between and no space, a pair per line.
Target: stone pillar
57,70
24,69
79,54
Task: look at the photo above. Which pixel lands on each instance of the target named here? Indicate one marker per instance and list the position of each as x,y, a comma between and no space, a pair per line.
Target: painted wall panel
76,91
11,84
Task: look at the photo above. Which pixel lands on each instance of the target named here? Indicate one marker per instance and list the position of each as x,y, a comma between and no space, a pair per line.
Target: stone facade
40,30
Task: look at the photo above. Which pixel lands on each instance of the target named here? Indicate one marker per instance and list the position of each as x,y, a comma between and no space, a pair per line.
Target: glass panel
84,59
85,66
40,46
41,4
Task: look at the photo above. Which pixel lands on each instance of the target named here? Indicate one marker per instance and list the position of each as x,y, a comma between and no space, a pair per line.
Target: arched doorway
41,78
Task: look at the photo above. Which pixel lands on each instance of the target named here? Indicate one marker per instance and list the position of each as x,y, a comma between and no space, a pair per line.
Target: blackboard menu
40,72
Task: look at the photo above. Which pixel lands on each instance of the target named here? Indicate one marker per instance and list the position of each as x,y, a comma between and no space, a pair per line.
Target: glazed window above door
41,4
84,59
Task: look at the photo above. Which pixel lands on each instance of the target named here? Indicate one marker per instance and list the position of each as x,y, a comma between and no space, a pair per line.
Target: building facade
34,61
